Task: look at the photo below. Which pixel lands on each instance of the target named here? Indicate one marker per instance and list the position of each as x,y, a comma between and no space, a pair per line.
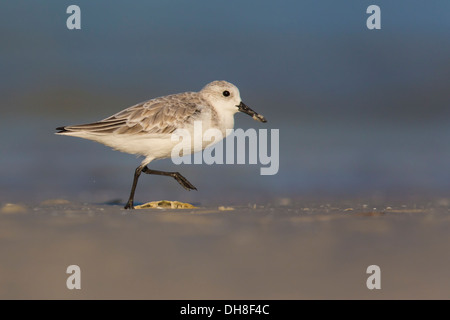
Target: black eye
226,93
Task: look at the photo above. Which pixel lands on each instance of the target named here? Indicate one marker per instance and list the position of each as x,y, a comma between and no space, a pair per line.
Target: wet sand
290,249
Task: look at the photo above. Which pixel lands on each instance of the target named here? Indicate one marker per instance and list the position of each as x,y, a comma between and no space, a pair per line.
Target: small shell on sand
165,204
11,208
54,202
222,208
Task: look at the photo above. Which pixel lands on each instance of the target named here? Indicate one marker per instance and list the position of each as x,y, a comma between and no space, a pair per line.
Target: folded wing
157,116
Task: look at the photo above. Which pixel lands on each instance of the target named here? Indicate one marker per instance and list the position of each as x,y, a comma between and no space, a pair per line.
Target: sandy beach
291,249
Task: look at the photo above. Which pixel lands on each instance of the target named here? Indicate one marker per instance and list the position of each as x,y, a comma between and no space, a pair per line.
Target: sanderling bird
145,129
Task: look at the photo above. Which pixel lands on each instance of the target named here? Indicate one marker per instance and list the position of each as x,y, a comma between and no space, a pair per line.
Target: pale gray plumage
161,115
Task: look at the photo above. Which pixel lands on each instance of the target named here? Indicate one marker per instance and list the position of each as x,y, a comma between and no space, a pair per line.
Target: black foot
183,181
176,175
129,205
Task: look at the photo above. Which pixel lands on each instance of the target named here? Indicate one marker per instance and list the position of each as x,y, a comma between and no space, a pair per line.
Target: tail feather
101,127
61,129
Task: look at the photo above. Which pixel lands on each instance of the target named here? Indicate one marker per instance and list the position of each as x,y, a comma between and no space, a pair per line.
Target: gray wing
157,116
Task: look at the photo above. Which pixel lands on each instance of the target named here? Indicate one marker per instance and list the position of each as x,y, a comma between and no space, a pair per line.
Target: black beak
245,109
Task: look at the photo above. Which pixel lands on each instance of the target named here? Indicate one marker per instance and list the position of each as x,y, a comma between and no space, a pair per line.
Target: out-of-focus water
358,111
319,161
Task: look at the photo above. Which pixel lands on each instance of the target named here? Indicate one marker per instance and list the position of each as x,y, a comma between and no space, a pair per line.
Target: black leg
137,173
176,175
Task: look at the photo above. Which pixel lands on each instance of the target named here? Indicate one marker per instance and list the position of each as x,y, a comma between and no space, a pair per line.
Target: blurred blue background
359,111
